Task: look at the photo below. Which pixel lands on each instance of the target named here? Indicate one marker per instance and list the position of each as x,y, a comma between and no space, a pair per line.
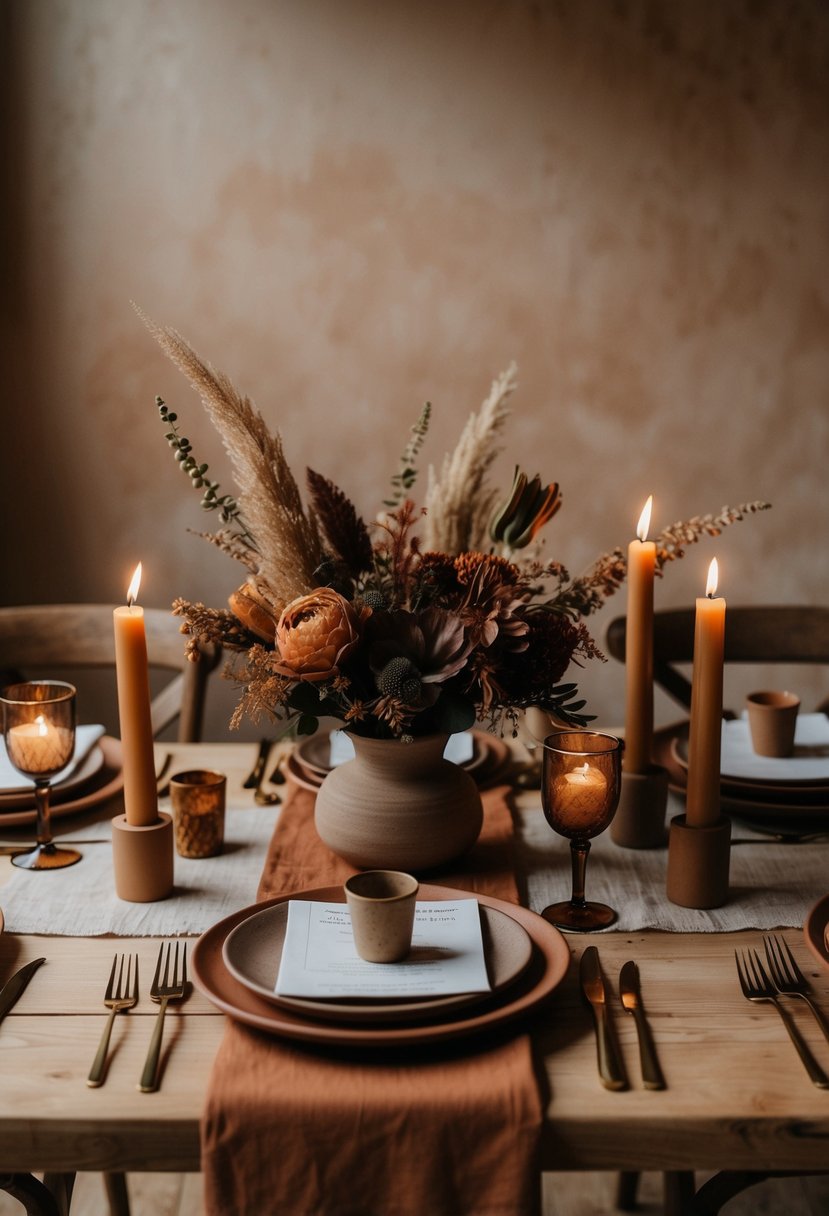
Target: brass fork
121,994
757,986
788,978
164,988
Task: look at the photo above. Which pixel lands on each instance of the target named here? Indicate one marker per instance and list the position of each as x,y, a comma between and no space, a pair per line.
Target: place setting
519,960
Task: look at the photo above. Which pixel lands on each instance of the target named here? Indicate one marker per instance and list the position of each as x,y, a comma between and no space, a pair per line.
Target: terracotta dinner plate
252,952
814,930
106,783
547,968
757,809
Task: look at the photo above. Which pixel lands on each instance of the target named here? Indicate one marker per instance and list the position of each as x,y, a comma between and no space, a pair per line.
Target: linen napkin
446,1130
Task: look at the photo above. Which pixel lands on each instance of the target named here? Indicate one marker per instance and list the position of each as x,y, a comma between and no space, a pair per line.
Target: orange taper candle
639,648
702,804
132,672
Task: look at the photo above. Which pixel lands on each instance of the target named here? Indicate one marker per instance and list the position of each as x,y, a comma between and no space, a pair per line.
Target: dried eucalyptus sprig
225,504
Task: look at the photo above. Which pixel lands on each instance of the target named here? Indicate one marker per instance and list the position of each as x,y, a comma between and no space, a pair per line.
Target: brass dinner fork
757,986
121,994
164,988
788,978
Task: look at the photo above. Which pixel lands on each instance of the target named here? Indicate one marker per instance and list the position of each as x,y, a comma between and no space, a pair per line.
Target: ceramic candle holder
382,906
639,822
698,863
142,858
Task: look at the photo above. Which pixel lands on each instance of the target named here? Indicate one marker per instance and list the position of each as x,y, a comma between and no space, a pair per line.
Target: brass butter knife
631,996
14,988
611,1067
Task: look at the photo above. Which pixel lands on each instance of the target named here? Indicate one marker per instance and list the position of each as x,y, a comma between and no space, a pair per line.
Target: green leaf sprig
405,477
212,500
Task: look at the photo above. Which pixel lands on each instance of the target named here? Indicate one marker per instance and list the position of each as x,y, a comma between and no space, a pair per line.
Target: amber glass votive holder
198,801
580,785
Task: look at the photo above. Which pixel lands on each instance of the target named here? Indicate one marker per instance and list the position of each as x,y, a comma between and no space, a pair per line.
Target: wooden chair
58,637
789,634
752,635
35,640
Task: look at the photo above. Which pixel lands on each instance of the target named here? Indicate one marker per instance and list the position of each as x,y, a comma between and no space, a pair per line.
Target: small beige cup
772,718
382,906
198,803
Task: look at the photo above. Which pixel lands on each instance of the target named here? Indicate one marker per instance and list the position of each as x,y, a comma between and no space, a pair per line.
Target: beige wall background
352,207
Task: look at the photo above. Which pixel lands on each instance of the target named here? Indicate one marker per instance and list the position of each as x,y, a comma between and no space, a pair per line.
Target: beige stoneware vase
399,806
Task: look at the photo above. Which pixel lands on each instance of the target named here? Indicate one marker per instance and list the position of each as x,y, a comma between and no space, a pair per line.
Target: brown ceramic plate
757,808
548,966
815,929
786,786
106,783
252,953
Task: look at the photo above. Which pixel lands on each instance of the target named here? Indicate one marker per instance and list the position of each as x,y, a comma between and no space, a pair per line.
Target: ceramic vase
399,806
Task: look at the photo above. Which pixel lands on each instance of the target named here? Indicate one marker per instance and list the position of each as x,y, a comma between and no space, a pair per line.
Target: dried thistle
287,542
458,505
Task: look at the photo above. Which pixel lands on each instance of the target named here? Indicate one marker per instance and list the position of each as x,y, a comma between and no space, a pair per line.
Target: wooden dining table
737,1097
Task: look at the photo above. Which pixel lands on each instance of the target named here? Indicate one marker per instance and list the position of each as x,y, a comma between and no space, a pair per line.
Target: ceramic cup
198,803
382,906
772,717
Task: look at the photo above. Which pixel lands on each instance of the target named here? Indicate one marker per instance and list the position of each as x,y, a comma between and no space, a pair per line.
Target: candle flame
132,591
713,579
581,770
645,519
40,723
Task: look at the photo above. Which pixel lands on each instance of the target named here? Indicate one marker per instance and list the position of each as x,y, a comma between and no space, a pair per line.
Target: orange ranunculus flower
315,633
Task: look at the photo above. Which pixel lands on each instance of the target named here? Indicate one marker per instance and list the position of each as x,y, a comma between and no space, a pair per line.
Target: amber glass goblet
580,786
39,733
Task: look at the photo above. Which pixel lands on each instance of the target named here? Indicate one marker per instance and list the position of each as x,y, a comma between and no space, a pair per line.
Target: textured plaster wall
351,207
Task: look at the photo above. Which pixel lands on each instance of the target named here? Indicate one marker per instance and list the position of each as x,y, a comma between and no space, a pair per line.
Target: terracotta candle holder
142,858
640,818
698,863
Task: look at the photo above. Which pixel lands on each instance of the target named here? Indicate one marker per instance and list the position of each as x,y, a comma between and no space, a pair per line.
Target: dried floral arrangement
425,620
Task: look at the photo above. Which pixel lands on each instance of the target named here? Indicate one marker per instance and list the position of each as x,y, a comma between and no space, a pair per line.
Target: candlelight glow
713,578
645,519
40,723
132,592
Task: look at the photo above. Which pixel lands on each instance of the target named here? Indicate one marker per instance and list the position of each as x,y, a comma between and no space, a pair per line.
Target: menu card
319,958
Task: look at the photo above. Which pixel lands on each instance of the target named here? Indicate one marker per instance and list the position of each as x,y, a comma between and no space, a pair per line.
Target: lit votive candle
38,748
579,795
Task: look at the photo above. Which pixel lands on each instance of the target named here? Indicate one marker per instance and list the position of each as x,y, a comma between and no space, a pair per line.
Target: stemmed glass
39,733
580,786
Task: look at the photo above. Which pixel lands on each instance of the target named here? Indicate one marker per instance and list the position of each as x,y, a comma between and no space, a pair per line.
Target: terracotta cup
382,906
198,801
772,718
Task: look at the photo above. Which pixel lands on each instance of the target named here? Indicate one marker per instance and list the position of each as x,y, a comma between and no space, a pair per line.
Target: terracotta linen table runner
449,1131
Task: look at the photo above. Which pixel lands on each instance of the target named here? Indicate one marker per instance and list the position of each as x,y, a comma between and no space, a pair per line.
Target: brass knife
611,1066
631,996
12,990
255,775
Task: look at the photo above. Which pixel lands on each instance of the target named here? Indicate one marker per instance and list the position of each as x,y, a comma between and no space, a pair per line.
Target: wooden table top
737,1095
